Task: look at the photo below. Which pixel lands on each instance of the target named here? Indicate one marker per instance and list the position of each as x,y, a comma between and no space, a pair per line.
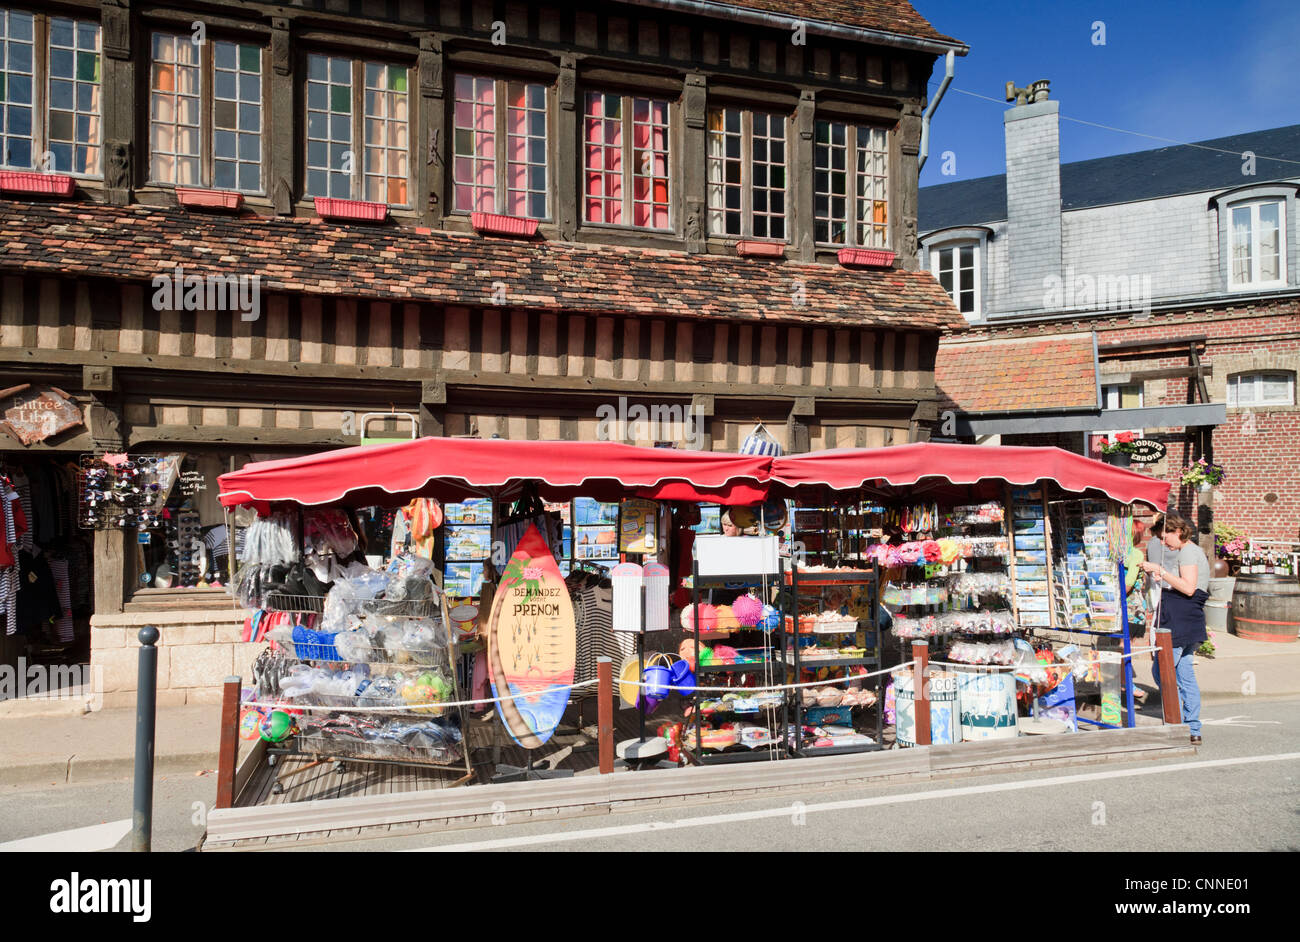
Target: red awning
933,469
452,469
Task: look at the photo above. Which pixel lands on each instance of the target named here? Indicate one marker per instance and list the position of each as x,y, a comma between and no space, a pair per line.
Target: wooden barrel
1266,608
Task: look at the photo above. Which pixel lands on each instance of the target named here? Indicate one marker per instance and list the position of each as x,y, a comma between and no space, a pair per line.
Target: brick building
550,207
1156,291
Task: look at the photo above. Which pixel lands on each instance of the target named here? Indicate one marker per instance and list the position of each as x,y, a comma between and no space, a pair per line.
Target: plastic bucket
682,677
987,704
1221,589
944,728
464,620
1216,615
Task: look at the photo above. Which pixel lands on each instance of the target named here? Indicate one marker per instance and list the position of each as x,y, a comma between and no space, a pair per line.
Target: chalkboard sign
191,482
1147,451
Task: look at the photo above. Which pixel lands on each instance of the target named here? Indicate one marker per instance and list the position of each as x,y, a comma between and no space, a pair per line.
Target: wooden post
921,690
228,751
1169,702
605,713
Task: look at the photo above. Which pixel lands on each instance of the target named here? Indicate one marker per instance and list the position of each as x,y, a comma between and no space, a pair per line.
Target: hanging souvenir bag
760,442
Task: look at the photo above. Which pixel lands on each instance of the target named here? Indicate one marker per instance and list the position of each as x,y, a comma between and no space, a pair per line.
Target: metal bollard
145,719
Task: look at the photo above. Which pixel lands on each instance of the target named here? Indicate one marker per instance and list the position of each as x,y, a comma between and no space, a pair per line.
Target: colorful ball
708,617
748,610
278,727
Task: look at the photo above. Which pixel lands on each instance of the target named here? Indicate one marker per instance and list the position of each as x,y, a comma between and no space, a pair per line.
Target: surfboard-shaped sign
532,643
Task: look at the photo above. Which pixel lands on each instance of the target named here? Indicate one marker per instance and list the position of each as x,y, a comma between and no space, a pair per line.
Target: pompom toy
931,551
949,550
910,553
708,617
771,618
686,651
727,618
748,610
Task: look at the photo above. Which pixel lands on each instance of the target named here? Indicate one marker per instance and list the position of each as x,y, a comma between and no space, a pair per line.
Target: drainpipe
949,67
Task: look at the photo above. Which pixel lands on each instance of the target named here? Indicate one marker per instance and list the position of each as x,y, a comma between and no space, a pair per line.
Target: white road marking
786,810
96,837
1232,721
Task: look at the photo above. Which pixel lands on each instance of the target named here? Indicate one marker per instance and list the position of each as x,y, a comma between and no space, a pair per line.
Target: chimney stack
1033,145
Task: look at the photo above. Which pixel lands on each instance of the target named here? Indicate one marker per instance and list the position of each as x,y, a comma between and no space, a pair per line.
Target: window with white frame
1115,396
1261,389
746,173
500,159
358,129
851,184
205,113
50,93
625,160
1257,244
956,267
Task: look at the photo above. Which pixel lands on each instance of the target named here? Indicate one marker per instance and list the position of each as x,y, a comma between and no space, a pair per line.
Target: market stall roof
452,469
936,469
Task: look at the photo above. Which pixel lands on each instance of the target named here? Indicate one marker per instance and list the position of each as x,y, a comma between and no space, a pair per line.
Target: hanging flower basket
753,248
197,198
352,210
38,184
497,224
867,258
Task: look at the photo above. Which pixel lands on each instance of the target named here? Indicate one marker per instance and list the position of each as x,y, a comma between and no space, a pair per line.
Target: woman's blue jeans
1189,694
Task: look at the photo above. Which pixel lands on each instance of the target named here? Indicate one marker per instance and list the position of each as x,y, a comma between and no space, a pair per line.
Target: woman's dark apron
1184,616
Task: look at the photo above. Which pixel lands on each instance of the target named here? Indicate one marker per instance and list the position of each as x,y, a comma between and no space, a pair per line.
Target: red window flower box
358,210
195,198
498,224
868,258
41,184
760,249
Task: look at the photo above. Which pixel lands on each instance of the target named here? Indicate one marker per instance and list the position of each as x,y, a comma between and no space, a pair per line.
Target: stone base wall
197,651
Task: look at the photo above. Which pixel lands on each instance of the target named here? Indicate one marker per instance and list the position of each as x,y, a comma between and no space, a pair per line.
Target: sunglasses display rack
187,548
125,495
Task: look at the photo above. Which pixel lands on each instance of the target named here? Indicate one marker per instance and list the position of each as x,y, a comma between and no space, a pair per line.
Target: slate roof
1017,376
893,16
388,262
1124,178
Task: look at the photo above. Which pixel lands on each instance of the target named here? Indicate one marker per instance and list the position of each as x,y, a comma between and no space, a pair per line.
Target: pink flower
533,572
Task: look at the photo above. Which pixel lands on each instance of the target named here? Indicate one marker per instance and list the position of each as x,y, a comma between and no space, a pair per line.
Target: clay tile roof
893,16
390,262
1017,376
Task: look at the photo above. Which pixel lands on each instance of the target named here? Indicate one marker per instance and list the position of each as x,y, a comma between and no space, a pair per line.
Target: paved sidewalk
1272,669
54,750
78,747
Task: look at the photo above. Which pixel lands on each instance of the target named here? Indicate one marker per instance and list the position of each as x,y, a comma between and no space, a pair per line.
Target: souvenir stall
355,637
1008,561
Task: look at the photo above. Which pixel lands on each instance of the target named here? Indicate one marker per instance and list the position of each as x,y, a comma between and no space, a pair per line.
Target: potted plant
1119,451
1203,475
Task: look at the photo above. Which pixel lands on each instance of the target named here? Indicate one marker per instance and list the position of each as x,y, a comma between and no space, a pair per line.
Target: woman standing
1185,587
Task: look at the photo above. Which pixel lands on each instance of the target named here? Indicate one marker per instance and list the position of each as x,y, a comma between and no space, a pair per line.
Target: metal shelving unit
869,578
775,663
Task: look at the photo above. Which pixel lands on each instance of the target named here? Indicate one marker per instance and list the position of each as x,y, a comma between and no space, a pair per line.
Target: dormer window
1258,244
957,269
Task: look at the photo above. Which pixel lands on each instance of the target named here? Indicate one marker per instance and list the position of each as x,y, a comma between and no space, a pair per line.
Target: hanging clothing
593,608
62,622
38,599
424,515
12,525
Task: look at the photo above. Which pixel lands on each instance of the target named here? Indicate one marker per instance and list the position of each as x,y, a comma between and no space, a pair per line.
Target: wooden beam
237,435
1167,372
876,394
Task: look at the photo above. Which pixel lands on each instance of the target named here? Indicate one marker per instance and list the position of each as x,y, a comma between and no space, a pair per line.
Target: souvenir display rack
865,649
963,603
769,662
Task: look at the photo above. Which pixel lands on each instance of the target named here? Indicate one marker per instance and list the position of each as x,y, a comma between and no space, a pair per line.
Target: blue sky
1187,70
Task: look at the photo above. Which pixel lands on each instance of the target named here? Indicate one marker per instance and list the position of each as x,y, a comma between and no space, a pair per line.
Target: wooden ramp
371,803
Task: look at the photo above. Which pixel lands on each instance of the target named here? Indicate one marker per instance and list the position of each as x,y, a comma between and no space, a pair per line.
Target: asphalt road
1237,794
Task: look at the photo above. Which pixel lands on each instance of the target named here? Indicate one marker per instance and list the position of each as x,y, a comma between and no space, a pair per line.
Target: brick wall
1260,448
